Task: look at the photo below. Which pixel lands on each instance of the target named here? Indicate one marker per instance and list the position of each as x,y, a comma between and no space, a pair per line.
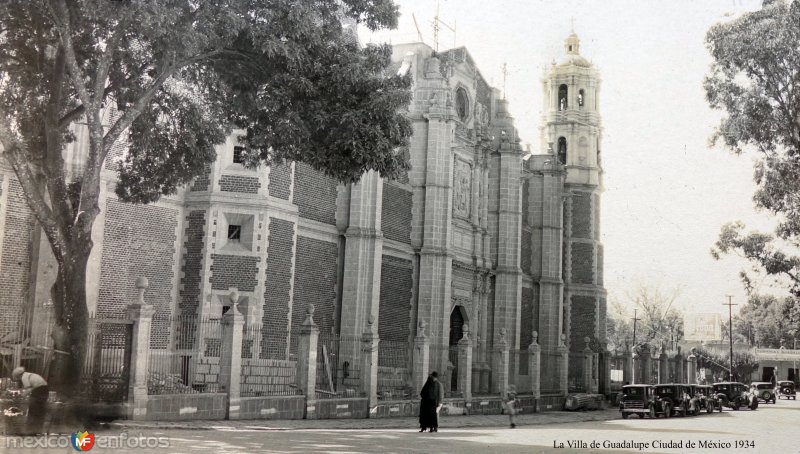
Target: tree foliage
755,81
660,322
171,79
767,321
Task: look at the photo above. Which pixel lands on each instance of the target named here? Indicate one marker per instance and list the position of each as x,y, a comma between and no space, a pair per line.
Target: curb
396,423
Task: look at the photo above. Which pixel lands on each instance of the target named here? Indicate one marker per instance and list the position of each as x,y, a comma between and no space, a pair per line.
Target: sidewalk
446,422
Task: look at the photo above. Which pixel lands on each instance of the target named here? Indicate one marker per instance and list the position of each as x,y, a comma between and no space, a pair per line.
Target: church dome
572,47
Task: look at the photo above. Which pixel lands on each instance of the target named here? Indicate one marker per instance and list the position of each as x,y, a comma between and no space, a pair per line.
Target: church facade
479,238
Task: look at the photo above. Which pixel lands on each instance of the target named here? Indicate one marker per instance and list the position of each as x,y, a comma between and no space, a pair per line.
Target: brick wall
528,321
582,321
395,299
314,194
234,271
277,289
194,238
315,282
602,312
237,183
526,250
581,215
202,181
280,180
16,261
138,240
596,213
396,214
582,263
600,264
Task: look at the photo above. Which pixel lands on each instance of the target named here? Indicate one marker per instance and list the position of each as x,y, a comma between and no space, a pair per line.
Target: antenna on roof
436,22
419,33
505,73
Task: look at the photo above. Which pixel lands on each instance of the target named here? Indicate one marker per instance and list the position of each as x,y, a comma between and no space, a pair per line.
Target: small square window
234,233
238,155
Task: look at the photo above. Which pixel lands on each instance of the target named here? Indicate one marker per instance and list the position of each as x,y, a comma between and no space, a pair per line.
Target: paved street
771,429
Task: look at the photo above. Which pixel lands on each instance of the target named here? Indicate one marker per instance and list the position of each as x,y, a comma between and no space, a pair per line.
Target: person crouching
38,392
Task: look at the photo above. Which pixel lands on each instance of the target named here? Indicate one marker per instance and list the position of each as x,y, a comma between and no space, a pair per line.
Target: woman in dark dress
430,398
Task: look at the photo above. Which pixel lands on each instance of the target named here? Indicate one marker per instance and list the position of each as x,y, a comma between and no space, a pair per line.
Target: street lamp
730,331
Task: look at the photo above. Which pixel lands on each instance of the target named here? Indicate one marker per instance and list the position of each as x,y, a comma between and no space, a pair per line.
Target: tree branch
60,16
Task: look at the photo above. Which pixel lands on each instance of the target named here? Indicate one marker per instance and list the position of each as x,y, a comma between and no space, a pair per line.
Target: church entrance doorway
456,332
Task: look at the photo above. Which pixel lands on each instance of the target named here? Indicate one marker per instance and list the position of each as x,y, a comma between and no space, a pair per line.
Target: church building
480,240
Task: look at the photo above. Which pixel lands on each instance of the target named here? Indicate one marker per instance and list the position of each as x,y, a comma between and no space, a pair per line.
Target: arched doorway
456,332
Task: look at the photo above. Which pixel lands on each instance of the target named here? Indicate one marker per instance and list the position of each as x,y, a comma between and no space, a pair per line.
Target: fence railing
268,369
339,366
519,370
548,374
394,370
189,363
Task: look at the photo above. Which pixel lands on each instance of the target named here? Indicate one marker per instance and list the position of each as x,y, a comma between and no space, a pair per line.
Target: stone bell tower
571,126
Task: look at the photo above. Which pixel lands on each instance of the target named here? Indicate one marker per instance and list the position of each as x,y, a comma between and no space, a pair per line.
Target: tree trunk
71,331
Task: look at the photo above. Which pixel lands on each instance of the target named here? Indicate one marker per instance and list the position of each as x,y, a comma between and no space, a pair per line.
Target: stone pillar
307,355
535,366
369,362
588,355
500,384
421,358
465,364
563,365
647,367
626,367
230,358
141,314
663,370
692,372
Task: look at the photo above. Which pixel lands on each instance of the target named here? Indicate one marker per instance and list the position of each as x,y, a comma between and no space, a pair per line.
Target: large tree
659,321
755,81
171,79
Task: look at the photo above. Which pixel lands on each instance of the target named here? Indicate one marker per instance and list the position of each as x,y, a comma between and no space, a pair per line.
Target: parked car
763,390
675,397
785,389
735,395
641,400
706,398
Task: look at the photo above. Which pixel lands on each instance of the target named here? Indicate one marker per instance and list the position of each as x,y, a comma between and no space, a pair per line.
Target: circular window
462,104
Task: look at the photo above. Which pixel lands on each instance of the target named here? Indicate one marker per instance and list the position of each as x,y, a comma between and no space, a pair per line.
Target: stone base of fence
184,407
347,408
272,407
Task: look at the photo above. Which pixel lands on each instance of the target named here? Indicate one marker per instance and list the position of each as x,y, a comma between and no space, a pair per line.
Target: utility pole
730,332
633,350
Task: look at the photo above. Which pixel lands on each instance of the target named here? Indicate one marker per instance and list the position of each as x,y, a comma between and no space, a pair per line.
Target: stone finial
141,286
465,331
502,334
309,321
370,320
421,328
535,338
233,296
586,341
562,339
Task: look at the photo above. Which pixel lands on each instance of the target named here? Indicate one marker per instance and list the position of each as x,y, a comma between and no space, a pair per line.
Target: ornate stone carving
462,189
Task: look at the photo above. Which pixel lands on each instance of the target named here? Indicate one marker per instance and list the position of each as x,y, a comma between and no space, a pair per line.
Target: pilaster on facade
363,255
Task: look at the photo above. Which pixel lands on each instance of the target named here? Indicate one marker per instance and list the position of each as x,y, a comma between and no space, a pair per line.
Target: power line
730,330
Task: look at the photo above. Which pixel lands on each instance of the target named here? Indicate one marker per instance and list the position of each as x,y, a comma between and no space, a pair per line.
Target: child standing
510,404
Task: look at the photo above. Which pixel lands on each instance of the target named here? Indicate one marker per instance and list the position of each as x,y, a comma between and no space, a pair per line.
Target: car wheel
652,412
710,408
667,410
641,415
624,415
765,396
735,404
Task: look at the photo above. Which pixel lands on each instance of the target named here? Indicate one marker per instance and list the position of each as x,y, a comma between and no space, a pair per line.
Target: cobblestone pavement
551,417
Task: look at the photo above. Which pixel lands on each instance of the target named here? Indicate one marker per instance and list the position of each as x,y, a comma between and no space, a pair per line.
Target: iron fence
483,371
549,374
105,374
339,366
267,369
575,376
394,370
519,365
190,362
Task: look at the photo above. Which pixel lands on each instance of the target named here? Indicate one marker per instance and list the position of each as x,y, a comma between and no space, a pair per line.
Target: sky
667,191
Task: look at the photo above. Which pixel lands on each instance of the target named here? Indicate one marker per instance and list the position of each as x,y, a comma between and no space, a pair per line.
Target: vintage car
674,396
641,400
735,395
763,390
785,388
706,398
